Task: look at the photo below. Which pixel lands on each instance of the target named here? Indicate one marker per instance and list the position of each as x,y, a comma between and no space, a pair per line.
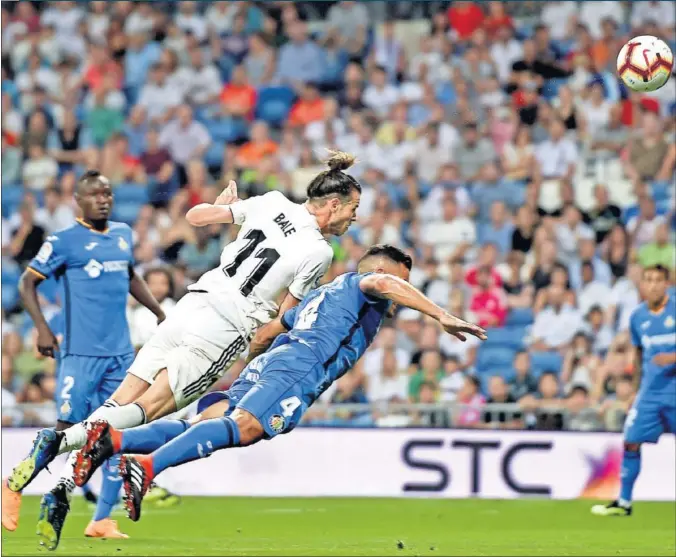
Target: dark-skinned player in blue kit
652,327
93,259
327,333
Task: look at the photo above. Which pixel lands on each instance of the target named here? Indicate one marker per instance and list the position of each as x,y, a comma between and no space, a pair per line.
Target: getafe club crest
277,423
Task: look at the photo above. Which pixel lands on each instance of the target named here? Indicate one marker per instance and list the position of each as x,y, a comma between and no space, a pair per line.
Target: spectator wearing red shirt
310,107
99,66
496,19
488,302
238,98
488,257
465,18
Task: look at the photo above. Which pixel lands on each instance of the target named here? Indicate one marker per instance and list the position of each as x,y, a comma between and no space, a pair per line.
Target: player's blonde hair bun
339,160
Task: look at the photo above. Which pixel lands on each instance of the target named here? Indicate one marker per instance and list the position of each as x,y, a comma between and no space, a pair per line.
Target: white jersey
279,247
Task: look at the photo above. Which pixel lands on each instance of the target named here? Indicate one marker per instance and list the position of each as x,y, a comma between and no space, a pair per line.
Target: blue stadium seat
545,361
226,130
520,316
492,359
274,104
11,198
131,193
506,337
126,212
215,154
10,296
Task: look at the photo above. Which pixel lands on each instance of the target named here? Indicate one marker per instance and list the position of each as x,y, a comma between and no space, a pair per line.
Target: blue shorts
648,419
276,388
85,382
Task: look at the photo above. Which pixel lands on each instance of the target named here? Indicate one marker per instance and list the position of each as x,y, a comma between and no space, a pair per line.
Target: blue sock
198,442
631,467
148,438
110,489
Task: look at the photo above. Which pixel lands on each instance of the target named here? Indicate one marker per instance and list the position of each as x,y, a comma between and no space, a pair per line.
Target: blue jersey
94,269
655,333
337,322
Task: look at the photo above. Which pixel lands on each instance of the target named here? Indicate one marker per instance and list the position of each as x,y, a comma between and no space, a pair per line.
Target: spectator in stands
158,166
649,156
40,170
158,97
27,236
500,229
544,408
453,379
465,18
11,162
300,60
391,384
498,393
309,107
488,257
592,292
185,139
118,164
600,332
142,323
604,215
518,157
348,22
586,251
380,95
473,153
611,139
430,370
660,251
55,215
523,383
643,226
557,156
471,403
556,324
613,410
452,236
488,303
202,253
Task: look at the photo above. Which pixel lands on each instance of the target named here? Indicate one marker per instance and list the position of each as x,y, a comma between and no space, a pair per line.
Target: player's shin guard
150,437
110,488
631,467
197,442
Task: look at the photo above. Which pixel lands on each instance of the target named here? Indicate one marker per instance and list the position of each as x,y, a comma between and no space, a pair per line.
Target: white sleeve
241,209
312,268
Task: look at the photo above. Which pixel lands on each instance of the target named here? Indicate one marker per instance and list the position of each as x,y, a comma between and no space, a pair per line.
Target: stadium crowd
494,142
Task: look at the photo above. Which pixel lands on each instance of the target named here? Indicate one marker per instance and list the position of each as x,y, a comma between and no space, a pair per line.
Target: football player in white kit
280,251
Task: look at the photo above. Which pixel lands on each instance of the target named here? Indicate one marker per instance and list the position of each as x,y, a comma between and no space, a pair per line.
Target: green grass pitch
252,526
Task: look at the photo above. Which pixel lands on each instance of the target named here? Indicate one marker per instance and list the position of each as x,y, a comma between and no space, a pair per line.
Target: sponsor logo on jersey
94,268
277,423
122,244
658,340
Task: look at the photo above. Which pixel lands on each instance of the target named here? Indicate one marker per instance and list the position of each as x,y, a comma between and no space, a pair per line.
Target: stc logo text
420,455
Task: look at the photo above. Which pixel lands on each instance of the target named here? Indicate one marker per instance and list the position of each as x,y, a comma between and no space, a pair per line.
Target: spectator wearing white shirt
569,232
158,97
64,16
388,52
595,110
379,231
98,20
185,139
142,322
660,13
391,384
140,20
556,325
375,356
600,332
189,20
593,12
40,170
202,82
431,154
593,292
452,236
559,16
55,215
505,51
380,95
625,298
558,154
642,227
220,16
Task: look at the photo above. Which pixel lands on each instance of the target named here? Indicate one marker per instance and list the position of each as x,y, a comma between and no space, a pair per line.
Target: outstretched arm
402,293
138,288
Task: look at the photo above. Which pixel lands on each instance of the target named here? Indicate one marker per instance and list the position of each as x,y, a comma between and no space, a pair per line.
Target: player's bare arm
269,332
402,293
138,288
205,214
47,342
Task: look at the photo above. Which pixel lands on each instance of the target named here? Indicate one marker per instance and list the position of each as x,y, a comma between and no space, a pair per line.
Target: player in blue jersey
652,328
327,333
93,260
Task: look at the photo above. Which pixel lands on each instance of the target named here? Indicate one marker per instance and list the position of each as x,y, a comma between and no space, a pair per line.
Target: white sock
66,479
120,417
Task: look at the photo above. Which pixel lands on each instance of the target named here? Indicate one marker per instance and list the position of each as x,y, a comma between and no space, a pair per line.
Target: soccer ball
645,63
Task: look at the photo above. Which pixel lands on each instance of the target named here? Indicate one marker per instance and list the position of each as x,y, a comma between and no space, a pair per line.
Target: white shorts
196,344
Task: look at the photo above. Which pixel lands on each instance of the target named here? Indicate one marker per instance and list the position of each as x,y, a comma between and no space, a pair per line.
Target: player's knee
217,410
632,447
250,429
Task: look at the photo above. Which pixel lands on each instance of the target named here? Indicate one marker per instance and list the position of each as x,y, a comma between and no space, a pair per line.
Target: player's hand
47,343
228,195
460,329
